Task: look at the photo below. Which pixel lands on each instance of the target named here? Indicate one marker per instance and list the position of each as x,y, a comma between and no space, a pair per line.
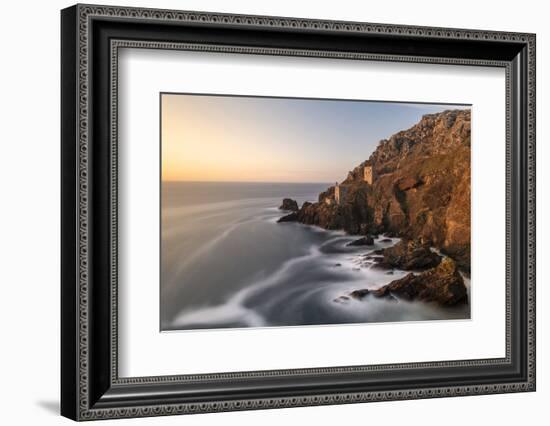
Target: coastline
433,277
278,275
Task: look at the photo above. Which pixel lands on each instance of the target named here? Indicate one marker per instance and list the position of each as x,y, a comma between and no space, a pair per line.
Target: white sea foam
226,313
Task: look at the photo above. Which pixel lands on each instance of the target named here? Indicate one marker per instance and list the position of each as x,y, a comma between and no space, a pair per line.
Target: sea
227,263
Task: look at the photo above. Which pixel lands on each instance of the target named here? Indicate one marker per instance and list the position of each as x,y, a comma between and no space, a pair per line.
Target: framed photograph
263,212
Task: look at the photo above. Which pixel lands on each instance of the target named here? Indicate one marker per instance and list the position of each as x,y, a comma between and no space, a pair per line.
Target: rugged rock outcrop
289,204
420,188
443,285
410,255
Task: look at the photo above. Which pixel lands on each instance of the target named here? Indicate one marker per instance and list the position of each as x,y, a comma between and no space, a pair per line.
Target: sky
259,139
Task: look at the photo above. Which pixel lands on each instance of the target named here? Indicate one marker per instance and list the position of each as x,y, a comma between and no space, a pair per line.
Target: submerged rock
442,284
289,204
364,292
359,294
379,266
364,241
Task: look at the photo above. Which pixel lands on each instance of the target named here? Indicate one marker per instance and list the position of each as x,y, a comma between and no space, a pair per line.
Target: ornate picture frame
91,37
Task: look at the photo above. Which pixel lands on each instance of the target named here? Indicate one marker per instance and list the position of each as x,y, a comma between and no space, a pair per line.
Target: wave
234,309
325,275
221,233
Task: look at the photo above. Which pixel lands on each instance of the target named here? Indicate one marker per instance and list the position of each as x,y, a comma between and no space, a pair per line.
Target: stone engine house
368,174
340,191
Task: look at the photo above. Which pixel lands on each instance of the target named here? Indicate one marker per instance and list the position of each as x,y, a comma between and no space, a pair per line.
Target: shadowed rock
292,217
361,294
410,255
442,284
289,204
364,241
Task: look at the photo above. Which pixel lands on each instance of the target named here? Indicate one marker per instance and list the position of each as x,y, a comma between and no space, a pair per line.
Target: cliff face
420,189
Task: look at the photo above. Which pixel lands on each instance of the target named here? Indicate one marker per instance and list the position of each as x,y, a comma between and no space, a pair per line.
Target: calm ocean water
226,262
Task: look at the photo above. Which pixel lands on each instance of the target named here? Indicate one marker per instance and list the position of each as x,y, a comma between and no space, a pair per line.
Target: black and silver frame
91,38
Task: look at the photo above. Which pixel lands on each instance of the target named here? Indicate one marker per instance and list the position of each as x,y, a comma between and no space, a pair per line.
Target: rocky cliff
420,188
442,284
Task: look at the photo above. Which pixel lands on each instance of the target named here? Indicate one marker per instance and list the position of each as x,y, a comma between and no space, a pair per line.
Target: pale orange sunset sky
244,139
